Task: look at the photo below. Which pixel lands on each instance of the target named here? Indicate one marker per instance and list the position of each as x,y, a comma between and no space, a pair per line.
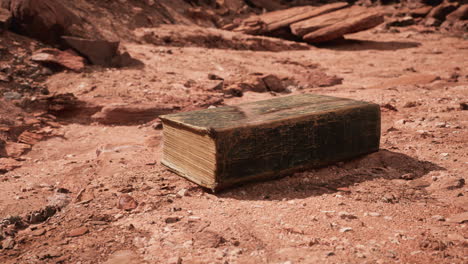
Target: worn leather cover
267,139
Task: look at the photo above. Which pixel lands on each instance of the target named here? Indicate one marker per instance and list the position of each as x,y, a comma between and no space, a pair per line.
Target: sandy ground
406,203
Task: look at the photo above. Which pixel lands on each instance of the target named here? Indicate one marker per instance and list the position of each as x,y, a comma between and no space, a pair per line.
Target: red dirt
401,204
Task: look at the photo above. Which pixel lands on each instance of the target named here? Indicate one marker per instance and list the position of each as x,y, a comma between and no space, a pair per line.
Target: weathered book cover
267,139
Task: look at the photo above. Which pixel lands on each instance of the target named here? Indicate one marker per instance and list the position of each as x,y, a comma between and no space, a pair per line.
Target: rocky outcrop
304,27
45,20
269,22
351,25
55,57
312,24
98,52
460,14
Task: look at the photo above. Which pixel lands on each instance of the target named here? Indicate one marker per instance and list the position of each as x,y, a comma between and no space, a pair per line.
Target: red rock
421,11
460,14
8,164
5,19
273,83
441,11
272,21
98,52
78,231
351,25
30,138
38,232
315,23
45,20
130,114
208,239
127,202
65,59
15,150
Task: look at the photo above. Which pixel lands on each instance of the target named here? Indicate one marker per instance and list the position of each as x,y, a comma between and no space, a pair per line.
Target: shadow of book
384,164
360,45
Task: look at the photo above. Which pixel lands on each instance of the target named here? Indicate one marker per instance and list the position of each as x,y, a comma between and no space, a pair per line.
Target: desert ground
82,181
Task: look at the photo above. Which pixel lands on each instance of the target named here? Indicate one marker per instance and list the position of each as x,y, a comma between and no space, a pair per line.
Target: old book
224,146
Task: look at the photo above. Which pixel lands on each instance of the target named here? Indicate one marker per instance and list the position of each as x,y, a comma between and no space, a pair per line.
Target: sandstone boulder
45,20
353,24
441,11
272,21
460,14
315,23
98,52
66,59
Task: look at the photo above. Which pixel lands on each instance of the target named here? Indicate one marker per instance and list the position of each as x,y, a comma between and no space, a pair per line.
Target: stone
438,218
218,86
421,11
214,77
304,27
273,21
460,218
78,232
401,22
58,200
49,254
174,260
171,219
408,176
54,57
127,202
45,20
119,114
4,77
464,106
345,229
12,96
346,215
234,91
5,19
255,85
441,11
125,60
273,83
30,138
447,183
182,193
208,239
8,243
432,22
373,214
15,150
38,232
460,14
8,164
351,25
98,52
41,215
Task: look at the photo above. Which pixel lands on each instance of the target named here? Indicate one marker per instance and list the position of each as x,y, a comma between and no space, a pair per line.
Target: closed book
220,147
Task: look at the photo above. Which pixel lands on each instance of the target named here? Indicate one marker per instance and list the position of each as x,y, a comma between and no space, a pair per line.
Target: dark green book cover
220,147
